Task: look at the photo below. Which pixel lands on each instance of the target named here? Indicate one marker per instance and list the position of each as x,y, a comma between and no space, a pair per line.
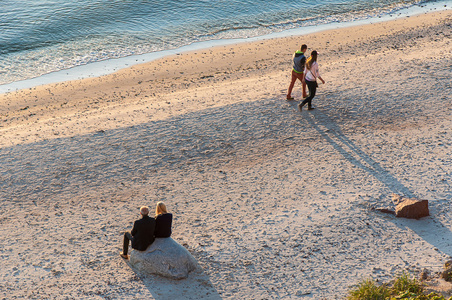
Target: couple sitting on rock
146,229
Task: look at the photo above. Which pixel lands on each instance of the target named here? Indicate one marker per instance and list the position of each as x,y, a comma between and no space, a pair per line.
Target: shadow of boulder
169,271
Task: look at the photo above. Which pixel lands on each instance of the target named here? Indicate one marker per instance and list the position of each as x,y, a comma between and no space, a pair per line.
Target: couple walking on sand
307,71
146,229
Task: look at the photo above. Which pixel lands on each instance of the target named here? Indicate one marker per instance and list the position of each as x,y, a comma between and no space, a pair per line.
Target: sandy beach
273,203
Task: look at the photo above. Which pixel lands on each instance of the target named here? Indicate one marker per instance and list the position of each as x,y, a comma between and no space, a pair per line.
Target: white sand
273,203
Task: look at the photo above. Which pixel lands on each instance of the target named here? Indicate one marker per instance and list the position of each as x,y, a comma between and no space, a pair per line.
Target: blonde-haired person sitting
163,221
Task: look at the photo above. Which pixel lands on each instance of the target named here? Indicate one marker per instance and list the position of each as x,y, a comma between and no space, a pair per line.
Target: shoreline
110,66
272,203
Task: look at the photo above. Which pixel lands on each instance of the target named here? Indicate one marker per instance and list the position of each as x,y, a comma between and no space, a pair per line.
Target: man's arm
134,229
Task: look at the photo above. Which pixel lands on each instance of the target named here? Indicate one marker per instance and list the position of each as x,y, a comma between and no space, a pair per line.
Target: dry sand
273,203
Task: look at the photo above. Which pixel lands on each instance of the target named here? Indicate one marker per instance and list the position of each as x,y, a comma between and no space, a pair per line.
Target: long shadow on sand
429,229
196,286
332,133
63,169
65,166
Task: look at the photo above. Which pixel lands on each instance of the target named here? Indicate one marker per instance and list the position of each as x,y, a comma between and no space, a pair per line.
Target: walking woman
311,73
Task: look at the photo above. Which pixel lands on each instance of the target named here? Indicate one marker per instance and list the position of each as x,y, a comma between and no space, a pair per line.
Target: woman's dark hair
312,59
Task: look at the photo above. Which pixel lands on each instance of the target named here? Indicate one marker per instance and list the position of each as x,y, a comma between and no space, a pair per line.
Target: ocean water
42,36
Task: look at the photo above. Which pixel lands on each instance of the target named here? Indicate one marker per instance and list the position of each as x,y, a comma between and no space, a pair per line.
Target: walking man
299,60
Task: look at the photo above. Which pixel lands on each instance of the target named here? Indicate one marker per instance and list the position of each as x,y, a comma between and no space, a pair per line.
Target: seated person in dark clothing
142,234
163,221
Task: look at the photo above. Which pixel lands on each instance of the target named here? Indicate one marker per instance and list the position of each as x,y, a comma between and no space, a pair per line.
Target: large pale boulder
411,208
164,257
